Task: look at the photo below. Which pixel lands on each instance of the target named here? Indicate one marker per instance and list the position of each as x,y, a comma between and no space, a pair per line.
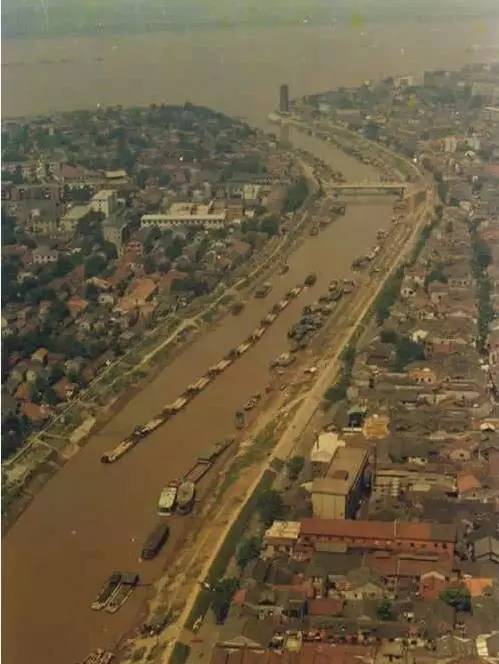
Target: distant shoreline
154,26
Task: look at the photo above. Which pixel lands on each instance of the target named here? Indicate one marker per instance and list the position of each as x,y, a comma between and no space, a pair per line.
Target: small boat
263,290
107,591
236,308
252,402
240,419
129,581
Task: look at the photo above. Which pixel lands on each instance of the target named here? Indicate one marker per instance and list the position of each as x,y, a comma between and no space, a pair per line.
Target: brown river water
91,519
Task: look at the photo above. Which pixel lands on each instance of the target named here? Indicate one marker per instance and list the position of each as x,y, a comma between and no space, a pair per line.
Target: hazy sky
21,17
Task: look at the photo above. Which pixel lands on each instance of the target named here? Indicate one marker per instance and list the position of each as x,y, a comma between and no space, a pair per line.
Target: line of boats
201,383
362,261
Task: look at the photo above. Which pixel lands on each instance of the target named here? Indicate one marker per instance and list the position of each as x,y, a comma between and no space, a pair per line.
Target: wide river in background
91,519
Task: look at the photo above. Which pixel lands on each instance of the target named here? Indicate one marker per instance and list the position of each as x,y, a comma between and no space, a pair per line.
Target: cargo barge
155,541
201,383
167,499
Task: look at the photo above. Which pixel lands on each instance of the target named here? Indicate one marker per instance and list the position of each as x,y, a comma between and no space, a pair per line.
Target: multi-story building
187,214
104,201
284,98
337,495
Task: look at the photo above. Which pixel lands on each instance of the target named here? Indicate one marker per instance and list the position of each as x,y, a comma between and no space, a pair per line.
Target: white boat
167,500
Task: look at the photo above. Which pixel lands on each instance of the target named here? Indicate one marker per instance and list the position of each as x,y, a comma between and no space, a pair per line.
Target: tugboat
252,402
348,285
335,291
236,308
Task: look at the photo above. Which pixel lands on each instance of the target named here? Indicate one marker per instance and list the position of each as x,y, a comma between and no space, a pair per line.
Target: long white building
187,214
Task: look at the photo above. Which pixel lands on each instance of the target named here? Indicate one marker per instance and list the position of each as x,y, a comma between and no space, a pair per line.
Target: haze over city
249,331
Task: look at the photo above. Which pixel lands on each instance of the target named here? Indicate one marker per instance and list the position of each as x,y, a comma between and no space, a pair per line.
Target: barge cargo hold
197,471
185,497
129,581
269,319
178,404
213,451
242,348
263,290
113,455
107,591
258,333
220,367
155,541
199,385
151,426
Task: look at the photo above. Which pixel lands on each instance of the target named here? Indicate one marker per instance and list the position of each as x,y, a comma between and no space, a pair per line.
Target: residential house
44,255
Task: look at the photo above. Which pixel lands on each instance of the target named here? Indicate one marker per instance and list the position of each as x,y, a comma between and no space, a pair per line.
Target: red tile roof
324,607
378,530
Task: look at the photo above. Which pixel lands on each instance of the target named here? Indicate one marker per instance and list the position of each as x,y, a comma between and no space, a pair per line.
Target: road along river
91,519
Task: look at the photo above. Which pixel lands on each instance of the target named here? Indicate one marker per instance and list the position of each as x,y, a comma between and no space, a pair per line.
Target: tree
164,179
436,274
296,195
482,253
153,235
8,228
458,598
269,506
141,177
270,225
222,595
94,265
247,550
58,312
388,296
63,265
149,264
295,466
109,248
384,610
91,292
388,336
175,248
14,430
407,351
